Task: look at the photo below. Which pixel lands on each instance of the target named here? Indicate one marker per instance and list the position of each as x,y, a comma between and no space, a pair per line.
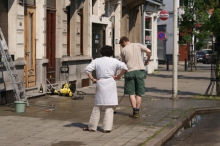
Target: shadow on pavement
81,126
179,77
67,143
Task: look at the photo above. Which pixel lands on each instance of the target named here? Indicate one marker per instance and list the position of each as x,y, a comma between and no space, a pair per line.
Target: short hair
107,51
123,39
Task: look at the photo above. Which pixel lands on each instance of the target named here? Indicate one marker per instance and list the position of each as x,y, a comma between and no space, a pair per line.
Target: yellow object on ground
67,89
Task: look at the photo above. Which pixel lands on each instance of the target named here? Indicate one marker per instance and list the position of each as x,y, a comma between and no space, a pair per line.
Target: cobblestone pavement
160,116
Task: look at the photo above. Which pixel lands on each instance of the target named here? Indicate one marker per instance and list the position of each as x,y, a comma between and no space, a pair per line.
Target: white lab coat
106,88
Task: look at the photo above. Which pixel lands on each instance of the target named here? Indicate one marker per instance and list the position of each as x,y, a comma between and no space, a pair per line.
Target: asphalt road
203,130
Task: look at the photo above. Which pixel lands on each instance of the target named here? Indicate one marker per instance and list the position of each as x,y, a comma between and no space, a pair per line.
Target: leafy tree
196,21
195,16
214,26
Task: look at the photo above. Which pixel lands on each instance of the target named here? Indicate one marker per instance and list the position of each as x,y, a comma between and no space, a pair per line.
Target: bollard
167,63
185,65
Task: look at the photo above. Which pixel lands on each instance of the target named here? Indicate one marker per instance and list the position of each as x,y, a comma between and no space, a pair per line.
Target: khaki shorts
135,82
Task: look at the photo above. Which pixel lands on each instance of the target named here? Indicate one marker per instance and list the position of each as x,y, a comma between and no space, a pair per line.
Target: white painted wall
95,18
118,17
61,29
169,26
40,29
16,29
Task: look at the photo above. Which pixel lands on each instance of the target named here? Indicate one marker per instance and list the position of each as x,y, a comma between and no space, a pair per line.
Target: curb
170,130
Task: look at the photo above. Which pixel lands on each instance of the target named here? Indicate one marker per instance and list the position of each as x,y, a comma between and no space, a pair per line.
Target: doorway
30,47
51,34
161,43
98,39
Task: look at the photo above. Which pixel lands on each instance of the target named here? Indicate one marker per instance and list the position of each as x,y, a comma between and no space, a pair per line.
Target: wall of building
16,29
169,29
41,43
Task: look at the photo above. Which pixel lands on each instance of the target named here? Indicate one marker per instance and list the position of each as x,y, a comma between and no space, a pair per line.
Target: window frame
25,4
49,7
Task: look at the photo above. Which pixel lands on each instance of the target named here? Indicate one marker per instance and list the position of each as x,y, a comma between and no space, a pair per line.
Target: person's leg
138,101
129,88
135,105
108,119
133,101
94,119
139,90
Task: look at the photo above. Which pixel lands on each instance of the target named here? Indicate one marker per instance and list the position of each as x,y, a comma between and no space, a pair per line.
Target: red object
161,35
148,18
164,15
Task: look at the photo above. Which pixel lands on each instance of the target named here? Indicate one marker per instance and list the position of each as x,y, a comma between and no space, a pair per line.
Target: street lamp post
175,47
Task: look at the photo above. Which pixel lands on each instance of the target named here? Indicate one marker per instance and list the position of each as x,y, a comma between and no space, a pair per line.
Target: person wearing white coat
106,88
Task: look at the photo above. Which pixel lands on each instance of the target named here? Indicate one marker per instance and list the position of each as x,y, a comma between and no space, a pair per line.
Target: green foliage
214,23
195,19
199,45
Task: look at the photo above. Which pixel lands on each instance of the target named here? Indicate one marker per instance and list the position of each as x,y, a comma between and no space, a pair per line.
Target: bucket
19,106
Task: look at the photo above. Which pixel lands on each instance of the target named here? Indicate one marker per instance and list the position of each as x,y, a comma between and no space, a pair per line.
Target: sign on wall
161,35
163,15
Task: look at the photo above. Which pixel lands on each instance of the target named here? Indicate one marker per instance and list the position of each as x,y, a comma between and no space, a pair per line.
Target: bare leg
138,102
133,101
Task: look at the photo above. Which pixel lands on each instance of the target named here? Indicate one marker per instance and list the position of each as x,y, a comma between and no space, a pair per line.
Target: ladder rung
8,62
21,91
14,74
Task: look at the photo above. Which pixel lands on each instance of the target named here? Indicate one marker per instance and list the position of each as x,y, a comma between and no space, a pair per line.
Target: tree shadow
179,77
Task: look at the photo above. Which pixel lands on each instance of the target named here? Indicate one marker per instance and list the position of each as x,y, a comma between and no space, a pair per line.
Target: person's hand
94,80
146,62
115,77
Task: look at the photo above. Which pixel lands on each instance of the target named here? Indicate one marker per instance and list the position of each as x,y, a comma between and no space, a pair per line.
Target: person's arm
123,68
91,78
121,74
148,52
89,69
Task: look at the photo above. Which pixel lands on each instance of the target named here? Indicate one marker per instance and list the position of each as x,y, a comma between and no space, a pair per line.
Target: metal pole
175,47
167,63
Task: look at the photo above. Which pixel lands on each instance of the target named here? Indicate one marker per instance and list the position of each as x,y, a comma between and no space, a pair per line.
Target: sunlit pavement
62,125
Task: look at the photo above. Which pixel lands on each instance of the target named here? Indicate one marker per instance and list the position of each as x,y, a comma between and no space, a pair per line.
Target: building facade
46,37
165,46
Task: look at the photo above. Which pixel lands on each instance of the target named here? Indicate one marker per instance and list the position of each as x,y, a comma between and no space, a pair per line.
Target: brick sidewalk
159,115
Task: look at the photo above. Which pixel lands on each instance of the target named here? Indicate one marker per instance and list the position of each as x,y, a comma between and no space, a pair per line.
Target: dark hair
107,51
123,39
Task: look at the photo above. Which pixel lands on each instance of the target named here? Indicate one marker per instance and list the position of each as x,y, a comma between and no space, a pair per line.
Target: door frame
30,74
51,66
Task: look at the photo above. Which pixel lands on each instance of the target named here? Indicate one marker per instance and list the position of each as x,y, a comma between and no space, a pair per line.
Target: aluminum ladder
17,84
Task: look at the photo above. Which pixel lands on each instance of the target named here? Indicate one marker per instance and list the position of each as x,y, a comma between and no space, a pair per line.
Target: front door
161,43
98,39
51,31
30,48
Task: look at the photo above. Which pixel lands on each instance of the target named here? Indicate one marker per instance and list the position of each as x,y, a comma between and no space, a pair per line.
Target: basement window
29,2
51,3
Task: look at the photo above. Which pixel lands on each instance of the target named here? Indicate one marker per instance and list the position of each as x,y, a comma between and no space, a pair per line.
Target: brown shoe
135,114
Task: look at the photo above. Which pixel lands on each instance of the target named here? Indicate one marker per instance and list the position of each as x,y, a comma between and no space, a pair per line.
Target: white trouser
107,121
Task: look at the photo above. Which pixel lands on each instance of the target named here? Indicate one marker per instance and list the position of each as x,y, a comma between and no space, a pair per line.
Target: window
148,29
29,2
147,22
51,3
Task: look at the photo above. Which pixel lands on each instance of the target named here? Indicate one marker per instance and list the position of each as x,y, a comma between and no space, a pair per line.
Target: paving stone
64,126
